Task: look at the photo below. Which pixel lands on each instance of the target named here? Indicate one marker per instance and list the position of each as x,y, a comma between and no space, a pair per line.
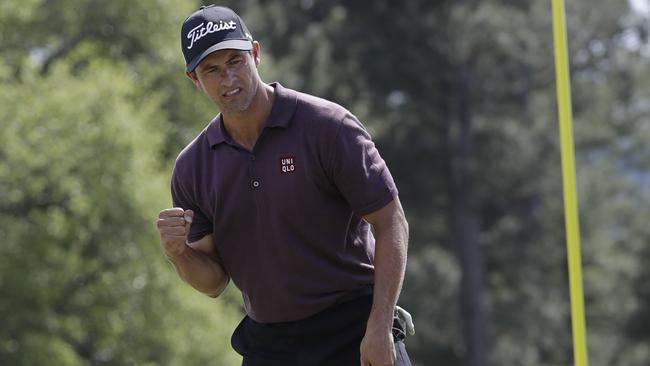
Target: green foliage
428,76
86,121
95,108
82,275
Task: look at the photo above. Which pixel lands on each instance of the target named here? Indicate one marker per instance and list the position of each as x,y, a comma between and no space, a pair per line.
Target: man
278,193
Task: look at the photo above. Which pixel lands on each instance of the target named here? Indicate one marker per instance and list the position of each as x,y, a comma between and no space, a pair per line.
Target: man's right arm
196,263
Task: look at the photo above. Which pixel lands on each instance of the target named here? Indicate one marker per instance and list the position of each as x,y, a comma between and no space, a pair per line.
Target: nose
228,76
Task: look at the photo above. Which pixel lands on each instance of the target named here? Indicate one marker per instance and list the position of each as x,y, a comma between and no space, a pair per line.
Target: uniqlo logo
287,165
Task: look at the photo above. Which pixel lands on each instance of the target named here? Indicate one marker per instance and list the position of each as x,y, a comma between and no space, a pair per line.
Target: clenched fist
174,227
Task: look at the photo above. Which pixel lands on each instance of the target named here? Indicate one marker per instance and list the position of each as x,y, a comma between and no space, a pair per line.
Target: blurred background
458,94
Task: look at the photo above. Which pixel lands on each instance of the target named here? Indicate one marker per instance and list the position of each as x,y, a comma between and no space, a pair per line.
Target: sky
642,6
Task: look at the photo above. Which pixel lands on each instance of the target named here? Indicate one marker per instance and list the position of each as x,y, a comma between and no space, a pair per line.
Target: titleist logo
200,31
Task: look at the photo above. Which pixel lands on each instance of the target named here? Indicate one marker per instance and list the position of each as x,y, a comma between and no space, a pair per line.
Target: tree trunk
464,221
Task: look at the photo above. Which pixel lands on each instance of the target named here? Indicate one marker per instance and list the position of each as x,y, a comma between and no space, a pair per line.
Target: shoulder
315,110
190,157
329,119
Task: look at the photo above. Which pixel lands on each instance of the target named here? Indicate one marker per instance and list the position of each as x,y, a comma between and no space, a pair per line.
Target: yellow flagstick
569,185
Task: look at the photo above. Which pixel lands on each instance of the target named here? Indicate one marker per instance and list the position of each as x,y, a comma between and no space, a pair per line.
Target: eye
236,62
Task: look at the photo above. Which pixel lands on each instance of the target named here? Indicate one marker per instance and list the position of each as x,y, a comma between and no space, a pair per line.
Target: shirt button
256,184
253,157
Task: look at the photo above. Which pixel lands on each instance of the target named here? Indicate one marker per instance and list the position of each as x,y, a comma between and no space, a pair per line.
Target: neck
245,127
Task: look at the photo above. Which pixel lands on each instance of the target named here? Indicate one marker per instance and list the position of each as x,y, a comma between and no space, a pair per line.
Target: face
229,78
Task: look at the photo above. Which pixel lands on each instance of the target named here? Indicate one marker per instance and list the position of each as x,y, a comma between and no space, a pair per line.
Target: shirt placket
255,174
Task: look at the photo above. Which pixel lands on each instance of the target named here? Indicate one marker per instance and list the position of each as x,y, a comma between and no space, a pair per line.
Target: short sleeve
183,197
358,171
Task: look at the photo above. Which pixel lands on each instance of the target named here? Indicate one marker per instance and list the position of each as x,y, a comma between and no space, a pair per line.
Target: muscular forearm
390,264
200,271
391,233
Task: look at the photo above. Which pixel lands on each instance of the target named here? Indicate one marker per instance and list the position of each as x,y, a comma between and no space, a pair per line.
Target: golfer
285,194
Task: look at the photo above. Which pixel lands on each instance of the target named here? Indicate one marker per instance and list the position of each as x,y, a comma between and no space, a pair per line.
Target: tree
461,97
82,278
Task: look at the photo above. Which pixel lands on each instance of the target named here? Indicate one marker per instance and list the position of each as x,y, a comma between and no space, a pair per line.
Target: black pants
329,338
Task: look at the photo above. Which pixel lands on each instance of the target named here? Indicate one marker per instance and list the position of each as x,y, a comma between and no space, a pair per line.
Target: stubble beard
243,105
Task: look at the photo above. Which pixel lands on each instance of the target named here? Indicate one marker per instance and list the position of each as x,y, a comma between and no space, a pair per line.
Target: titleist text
200,31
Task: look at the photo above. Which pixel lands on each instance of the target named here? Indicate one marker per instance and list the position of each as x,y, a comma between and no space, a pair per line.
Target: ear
195,80
256,52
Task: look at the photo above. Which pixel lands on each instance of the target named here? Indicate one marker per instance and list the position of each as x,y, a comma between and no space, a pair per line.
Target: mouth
231,92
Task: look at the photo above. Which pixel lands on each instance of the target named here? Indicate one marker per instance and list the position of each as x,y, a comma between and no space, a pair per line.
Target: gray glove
406,320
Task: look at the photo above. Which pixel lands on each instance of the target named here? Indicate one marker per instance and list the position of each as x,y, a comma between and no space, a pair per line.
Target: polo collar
284,105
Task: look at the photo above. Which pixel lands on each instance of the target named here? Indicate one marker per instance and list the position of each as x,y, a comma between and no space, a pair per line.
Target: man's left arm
391,243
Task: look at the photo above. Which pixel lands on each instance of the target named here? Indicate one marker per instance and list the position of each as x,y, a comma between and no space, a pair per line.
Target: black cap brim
231,44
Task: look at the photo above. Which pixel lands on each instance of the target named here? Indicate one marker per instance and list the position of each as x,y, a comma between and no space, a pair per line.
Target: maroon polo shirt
286,217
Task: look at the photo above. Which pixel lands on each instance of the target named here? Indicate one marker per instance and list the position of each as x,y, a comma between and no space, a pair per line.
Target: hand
174,227
378,347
